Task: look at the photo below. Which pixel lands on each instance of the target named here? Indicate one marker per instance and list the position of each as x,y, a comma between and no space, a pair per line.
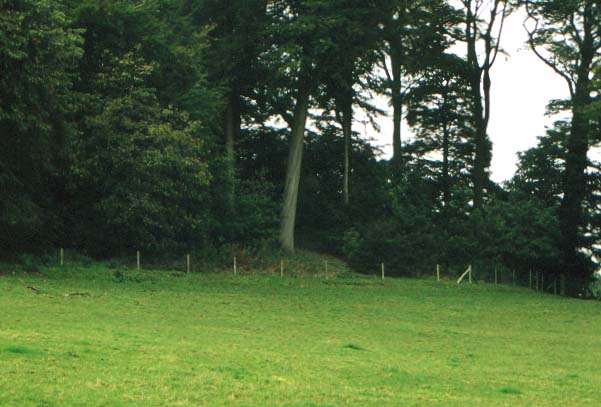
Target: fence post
496,276
438,272
62,256
467,271
382,271
235,266
138,259
281,268
187,263
470,274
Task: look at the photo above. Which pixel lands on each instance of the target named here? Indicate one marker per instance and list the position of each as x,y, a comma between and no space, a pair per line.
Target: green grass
170,339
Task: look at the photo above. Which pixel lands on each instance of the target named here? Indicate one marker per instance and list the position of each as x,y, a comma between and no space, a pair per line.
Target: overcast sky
522,85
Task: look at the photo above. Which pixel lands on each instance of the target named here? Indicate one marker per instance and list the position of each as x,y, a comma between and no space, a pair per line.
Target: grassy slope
223,340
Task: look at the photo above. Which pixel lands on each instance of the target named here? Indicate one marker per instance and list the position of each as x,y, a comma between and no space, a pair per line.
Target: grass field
170,339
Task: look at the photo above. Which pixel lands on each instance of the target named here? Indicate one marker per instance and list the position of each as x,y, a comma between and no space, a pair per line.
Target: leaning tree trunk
293,171
232,129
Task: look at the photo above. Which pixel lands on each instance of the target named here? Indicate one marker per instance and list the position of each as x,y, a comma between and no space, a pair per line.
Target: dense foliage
182,125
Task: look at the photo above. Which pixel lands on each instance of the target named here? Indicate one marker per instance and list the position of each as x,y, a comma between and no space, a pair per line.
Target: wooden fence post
496,276
138,259
187,263
437,272
62,256
382,271
235,266
466,272
281,268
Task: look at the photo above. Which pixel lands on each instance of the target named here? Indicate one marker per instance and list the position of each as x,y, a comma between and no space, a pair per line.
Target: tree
567,37
142,168
37,56
303,37
439,112
232,60
140,171
349,71
413,32
540,169
483,21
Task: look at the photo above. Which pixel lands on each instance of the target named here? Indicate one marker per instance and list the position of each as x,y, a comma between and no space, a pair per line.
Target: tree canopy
197,124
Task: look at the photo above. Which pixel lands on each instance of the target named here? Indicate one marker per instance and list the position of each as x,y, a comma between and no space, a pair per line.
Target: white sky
522,86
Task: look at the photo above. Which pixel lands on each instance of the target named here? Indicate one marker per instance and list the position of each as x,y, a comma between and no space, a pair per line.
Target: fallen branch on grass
32,288
77,295
39,291
36,290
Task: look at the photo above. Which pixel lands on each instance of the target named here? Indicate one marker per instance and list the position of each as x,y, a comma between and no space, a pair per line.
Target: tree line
192,124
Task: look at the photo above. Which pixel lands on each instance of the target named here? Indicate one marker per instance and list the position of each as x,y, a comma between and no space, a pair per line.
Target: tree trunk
446,184
480,153
345,118
574,187
347,130
232,129
562,284
480,113
571,215
293,171
397,105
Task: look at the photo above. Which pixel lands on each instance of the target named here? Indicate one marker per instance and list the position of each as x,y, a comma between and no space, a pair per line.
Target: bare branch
385,67
532,43
499,35
575,34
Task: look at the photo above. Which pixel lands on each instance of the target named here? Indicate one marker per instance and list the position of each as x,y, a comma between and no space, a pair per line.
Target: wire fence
468,274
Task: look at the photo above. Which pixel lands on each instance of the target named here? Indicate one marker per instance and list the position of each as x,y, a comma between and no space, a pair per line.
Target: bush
406,243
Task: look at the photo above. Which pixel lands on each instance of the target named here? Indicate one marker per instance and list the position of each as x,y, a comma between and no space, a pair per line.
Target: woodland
220,126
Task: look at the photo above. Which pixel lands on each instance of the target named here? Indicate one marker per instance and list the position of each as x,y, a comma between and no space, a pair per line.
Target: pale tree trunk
344,115
347,130
397,105
232,129
293,171
446,184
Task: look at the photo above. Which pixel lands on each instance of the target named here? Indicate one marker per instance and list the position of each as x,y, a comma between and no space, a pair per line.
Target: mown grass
170,339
